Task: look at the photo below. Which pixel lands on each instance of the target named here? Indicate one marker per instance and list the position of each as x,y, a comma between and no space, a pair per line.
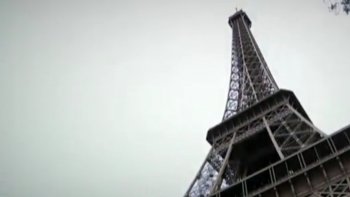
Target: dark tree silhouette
337,5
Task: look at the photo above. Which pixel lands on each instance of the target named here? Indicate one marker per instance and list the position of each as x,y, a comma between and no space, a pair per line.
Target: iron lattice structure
266,144
251,79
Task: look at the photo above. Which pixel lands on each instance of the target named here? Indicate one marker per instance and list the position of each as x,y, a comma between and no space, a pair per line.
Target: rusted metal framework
266,144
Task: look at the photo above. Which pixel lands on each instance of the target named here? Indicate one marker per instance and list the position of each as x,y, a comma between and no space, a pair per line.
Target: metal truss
292,132
206,176
300,160
321,169
288,129
250,82
250,79
338,189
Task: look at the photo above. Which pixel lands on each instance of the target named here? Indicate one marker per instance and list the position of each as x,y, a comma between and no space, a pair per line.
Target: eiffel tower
266,144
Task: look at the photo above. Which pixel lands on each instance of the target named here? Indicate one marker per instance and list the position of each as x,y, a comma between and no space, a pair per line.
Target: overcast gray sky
114,98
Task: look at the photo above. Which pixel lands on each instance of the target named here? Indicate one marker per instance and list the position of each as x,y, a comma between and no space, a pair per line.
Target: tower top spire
239,14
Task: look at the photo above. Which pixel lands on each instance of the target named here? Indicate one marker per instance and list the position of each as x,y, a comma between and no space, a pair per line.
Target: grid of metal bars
250,79
321,169
308,165
288,127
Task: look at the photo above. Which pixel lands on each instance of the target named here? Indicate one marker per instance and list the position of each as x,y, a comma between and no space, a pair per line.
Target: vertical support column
223,167
278,149
245,66
187,194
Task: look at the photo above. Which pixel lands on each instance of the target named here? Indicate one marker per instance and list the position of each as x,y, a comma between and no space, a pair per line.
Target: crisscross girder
251,79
